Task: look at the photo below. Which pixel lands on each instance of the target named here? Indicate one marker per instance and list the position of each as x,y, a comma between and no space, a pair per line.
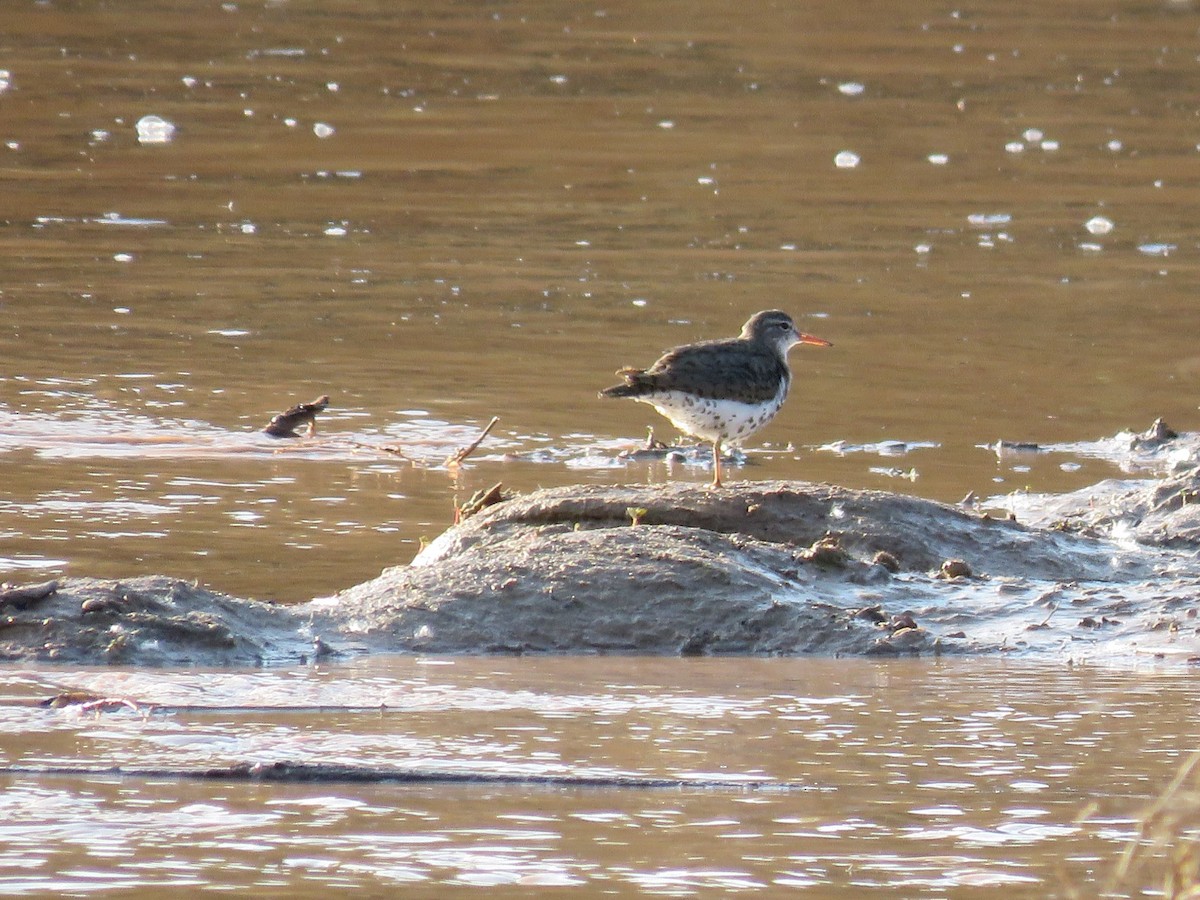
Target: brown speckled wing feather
718,370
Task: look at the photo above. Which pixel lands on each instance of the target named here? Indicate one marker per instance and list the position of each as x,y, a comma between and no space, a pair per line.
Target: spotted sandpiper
285,424
725,390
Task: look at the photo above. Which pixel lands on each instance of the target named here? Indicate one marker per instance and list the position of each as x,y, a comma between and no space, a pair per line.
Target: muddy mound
144,621
764,568
1159,509
919,534
769,568
1159,513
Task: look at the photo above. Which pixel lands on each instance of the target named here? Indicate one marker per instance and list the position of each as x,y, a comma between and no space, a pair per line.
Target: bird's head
776,328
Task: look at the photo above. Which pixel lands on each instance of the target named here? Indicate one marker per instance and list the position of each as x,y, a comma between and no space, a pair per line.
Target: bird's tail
636,384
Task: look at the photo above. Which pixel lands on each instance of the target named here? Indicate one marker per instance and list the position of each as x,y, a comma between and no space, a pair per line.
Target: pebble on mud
955,568
826,551
873,614
887,560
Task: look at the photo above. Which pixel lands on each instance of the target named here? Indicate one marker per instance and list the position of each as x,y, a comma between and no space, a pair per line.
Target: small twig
653,443
86,701
463,452
384,448
1046,621
107,704
395,451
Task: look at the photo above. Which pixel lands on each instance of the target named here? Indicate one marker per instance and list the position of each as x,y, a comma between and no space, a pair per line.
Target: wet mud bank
776,568
755,568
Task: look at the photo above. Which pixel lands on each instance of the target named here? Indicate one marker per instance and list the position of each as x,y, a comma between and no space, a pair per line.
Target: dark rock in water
284,424
1002,447
762,568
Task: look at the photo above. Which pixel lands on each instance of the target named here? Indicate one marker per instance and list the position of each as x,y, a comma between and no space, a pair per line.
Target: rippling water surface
440,213
850,777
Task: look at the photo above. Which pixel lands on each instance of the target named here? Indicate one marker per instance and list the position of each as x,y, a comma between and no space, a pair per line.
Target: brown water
847,777
518,198
438,213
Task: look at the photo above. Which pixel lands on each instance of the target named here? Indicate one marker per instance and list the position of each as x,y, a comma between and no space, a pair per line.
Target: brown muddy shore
1110,572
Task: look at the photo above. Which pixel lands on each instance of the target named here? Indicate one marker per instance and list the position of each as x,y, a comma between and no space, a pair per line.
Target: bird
285,424
724,390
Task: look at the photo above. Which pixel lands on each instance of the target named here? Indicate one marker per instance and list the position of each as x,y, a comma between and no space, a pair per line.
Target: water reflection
841,774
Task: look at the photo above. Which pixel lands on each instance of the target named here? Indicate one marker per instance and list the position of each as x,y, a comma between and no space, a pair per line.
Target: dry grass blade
1167,831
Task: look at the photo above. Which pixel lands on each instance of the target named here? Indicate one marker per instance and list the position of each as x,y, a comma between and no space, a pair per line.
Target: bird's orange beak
814,340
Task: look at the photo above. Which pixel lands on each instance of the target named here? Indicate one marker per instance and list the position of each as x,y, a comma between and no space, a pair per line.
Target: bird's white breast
709,420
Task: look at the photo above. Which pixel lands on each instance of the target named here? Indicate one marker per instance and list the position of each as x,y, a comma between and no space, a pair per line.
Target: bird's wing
713,369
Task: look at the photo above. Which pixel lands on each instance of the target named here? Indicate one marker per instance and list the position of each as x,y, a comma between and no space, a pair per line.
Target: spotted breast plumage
725,390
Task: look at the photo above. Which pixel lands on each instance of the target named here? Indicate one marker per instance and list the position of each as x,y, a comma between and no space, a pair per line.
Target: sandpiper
723,390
